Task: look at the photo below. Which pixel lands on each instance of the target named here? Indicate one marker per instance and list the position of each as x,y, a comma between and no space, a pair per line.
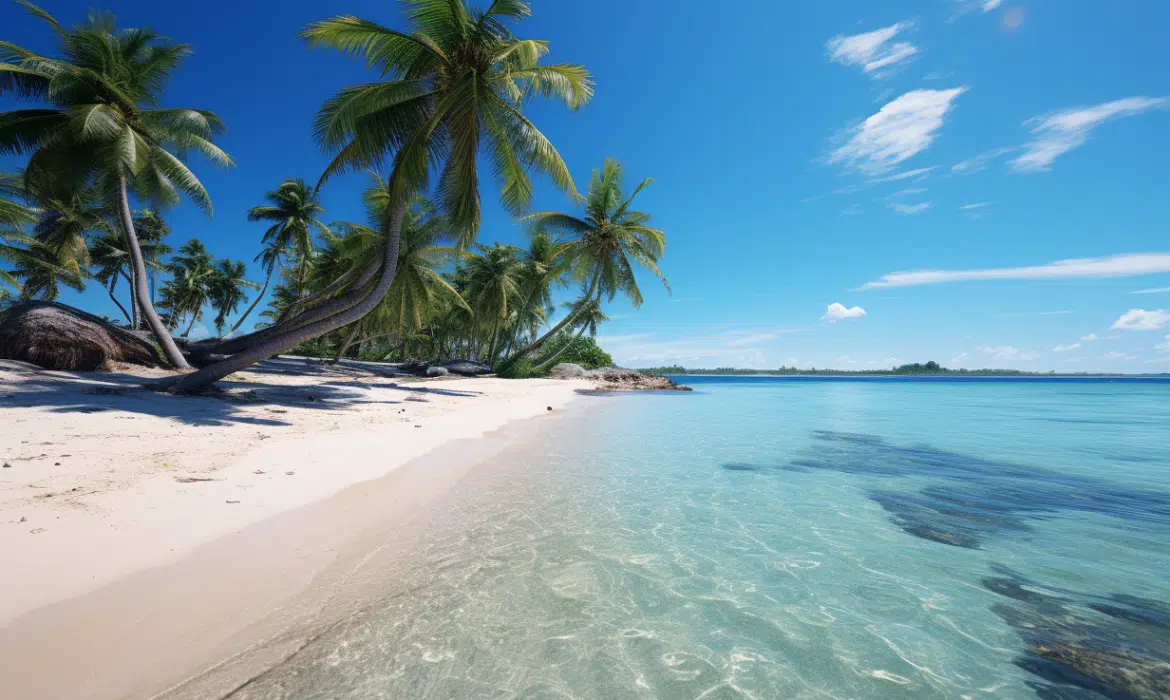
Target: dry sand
102,479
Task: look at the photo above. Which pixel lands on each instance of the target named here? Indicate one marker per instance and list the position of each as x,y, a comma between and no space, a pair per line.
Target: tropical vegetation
410,282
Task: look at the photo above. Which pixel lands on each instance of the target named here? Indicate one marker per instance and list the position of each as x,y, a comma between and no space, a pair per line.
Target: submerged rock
56,336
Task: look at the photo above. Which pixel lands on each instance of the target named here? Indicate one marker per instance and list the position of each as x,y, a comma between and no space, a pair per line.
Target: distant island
916,369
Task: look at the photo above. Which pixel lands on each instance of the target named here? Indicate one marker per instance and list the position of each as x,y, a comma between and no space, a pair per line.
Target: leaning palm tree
269,259
606,244
111,263
458,82
589,316
493,279
102,129
193,270
293,213
225,289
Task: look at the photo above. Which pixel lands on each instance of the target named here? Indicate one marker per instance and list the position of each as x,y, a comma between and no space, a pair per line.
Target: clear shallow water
771,538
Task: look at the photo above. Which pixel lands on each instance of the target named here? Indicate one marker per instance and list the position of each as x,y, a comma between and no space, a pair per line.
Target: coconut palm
111,261
58,253
102,128
225,289
607,242
269,259
546,265
493,279
458,82
152,229
293,213
14,217
589,316
189,288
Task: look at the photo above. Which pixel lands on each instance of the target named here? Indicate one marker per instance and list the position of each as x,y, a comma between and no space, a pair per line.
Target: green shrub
584,351
520,369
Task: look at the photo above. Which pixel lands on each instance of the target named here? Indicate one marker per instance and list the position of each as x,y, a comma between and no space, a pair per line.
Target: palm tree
589,316
458,82
102,129
14,216
493,286
59,252
546,265
607,242
152,229
293,213
190,286
109,256
225,289
269,259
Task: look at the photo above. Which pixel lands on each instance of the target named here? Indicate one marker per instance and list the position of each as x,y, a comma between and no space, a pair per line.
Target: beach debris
7,465
232,501
36,531
23,519
549,408
289,473
56,464
192,479
418,426
258,471
438,372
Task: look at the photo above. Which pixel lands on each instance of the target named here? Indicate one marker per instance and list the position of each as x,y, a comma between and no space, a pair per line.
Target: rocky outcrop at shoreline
616,378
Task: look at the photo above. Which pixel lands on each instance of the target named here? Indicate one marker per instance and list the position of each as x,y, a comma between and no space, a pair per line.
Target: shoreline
154,559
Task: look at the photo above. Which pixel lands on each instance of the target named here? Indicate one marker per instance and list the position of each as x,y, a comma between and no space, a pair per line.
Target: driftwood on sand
56,336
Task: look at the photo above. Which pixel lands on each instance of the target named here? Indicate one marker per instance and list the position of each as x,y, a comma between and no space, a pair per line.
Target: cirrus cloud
1058,133
874,51
901,129
1128,265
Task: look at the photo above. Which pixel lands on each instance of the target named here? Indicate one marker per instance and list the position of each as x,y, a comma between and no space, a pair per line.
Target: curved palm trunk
283,343
263,290
141,293
194,318
346,343
536,345
549,362
114,283
492,348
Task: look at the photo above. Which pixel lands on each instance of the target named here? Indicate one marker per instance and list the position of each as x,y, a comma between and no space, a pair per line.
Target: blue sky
805,156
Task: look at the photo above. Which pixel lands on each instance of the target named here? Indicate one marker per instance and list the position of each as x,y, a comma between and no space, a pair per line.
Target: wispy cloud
901,129
958,358
1056,134
1159,290
839,312
874,52
1066,348
1163,347
846,360
1118,356
1127,265
979,163
918,174
1064,312
1008,352
901,208
1141,320
1089,337
741,338
975,206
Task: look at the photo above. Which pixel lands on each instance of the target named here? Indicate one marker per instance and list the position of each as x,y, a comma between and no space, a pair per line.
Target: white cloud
977,205
838,312
872,51
845,359
1118,356
1056,134
958,358
989,5
1064,312
1163,347
1066,348
1007,352
909,208
901,129
920,173
892,360
1127,265
978,163
1091,336
1159,290
753,339
1141,320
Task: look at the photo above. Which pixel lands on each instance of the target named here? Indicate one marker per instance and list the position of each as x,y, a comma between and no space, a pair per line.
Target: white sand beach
103,480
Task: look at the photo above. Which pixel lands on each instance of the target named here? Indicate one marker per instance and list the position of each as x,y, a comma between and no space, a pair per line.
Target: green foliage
522,369
582,350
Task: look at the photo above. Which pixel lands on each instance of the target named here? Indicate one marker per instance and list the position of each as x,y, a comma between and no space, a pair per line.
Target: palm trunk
114,283
282,343
549,362
194,318
263,290
492,348
141,293
348,341
134,325
533,347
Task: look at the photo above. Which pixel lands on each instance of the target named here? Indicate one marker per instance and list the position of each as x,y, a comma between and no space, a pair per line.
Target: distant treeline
915,369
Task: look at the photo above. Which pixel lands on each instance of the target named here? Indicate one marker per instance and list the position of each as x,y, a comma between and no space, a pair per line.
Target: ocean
788,538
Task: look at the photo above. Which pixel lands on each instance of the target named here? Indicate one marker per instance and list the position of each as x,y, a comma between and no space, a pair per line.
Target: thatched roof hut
56,336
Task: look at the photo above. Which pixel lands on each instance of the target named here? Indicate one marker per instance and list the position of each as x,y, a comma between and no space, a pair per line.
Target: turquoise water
770,538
